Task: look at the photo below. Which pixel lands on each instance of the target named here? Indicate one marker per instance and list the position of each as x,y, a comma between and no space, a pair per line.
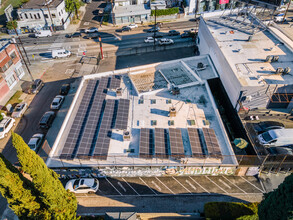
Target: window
59,14
9,63
19,72
153,101
171,122
53,15
140,101
153,122
35,16
46,16
39,16
20,16
61,11
13,55
25,15
8,123
31,16
11,80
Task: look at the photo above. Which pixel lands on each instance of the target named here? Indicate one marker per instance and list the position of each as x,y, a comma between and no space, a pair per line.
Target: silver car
36,141
19,110
85,185
57,102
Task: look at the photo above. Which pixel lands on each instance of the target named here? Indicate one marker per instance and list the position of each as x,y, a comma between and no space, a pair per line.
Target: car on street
60,53
64,89
264,126
36,141
92,30
123,29
43,33
173,33
132,26
74,35
165,41
47,120
36,86
57,102
185,35
153,29
92,36
5,126
84,185
19,110
149,40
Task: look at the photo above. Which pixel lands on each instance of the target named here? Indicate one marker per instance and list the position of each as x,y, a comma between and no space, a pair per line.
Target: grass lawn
5,3
15,98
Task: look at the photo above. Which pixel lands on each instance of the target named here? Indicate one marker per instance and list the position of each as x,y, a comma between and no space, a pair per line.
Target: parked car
149,40
85,185
153,29
165,41
64,89
132,26
185,35
266,126
57,102
92,30
173,33
36,141
280,150
5,126
19,110
124,28
92,36
36,86
279,17
60,53
74,35
158,35
47,120
276,137
159,24
43,33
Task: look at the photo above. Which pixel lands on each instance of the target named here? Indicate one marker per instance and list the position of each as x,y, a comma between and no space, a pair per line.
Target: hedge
230,210
168,11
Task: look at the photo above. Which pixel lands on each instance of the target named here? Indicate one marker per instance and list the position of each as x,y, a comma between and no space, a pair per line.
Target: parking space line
216,185
253,185
189,183
182,185
156,185
199,185
122,187
225,184
234,184
130,186
165,185
262,186
113,186
147,185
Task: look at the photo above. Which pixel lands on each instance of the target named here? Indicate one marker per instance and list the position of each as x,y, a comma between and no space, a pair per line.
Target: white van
60,53
276,137
279,18
43,33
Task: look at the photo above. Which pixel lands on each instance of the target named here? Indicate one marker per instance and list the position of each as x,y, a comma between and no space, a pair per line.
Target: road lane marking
147,185
199,185
130,186
165,185
252,184
182,185
189,183
156,185
225,184
216,185
113,186
234,184
122,187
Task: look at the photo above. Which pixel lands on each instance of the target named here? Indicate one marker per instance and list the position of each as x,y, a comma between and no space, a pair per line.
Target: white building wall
208,45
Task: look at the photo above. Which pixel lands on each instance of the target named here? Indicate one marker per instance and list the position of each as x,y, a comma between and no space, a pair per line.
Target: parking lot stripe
234,184
130,186
189,183
182,185
122,187
225,184
252,184
165,185
156,185
113,186
217,185
199,185
147,185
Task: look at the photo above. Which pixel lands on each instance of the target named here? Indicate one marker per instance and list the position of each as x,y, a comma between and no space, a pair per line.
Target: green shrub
230,210
168,11
1,117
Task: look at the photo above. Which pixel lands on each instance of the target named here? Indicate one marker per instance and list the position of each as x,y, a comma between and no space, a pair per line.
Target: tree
61,204
12,25
19,192
72,6
278,204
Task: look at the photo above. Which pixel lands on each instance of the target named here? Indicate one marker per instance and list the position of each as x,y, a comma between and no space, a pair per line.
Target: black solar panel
160,142
176,143
104,136
211,142
146,143
122,114
194,140
115,82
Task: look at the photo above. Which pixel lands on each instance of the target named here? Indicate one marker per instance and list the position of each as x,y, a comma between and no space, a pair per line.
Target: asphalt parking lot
187,185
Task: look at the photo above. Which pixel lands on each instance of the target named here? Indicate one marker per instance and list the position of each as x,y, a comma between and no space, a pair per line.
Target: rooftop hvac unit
287,70
200,65
175,90
126,136
269,58
249,38
119,91
275,59
279,70
172,112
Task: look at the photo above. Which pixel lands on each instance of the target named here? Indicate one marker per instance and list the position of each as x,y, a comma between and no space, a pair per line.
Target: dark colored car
36,86
124,28
266,126
153,29
64,89
74,35
173,33
185,35
47,120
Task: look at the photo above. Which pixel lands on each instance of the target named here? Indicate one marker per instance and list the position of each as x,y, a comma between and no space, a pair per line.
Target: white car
57,102
19,110
5,126
165,41
132,26
36,141
60,53
85,185
150,40
92,30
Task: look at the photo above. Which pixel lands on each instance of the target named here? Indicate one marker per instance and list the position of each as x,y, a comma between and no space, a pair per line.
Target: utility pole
53,27
76,12
286,11
155,27
21,56
101,47
22,46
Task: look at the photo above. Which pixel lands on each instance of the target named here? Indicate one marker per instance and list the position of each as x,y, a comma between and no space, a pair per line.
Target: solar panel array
176,144
160,142
145,142
122,114
211,142
115,82
194,140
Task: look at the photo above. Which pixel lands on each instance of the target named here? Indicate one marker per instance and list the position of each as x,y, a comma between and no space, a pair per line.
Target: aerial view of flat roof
162,113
